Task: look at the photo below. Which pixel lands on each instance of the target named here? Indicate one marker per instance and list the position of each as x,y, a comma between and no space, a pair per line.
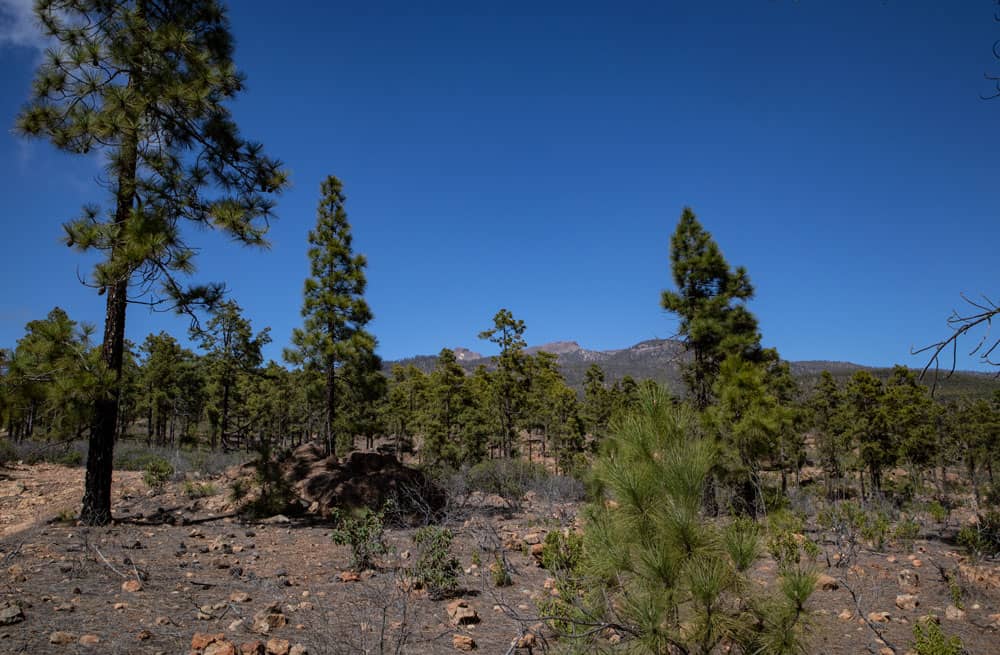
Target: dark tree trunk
100,451
96,508
331,399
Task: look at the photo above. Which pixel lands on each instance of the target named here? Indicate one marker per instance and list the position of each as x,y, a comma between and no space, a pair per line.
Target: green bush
561,553
741,540
508,478
198,489
238,490
70,458
982,539
937,511
157,473
906,532
500,573
929,639
436,569
364,532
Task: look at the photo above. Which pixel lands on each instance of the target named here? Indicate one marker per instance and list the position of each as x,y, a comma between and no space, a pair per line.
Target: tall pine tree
715,324
334,308
146,82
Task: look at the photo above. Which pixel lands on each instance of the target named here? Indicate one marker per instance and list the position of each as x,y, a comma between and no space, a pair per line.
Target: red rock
202,639
463,642
132,586
220,648
277,646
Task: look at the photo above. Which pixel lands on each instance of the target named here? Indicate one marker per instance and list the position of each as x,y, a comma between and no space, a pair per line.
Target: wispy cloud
18,26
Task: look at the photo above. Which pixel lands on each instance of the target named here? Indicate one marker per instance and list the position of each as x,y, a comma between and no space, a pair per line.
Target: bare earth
148,586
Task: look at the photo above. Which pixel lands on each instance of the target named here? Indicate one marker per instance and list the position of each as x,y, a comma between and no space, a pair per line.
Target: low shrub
364,532
157,473
436,569
561,552
198,489
982,539
929,639
509,479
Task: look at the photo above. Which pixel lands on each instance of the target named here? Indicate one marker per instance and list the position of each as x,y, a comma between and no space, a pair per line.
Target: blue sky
536,156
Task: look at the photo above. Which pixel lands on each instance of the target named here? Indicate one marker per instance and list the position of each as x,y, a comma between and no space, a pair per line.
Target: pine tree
51,379
146,82
598,403
709,301
231,349
443,415
671,580
510,377
865,418
405,397
824,406
334,308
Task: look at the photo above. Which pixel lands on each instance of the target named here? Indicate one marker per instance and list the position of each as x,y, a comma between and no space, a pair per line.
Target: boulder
463,643
461,613
360,480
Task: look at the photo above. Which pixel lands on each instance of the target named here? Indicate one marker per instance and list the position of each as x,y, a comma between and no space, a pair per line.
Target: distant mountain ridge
661,359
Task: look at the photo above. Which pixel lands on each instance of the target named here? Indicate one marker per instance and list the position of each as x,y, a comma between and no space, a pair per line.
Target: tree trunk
96,508
331,399
101,445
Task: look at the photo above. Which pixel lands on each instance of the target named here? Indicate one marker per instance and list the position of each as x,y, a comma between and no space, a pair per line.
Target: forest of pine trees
680,480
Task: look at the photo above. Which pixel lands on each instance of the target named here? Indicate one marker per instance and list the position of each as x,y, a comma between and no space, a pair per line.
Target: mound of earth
361,480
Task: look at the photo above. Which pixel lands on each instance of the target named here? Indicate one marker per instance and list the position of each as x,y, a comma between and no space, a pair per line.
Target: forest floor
176,569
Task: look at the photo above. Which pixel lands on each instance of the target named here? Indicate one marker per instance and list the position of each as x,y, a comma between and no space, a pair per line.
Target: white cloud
18,26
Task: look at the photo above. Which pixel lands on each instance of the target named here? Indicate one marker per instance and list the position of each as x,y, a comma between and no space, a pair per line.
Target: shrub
982,539
364,532
238,490
929,639
500,572
742,541
157,473
436,569
937,511
906,532
198,489
561,553
655,558
508,478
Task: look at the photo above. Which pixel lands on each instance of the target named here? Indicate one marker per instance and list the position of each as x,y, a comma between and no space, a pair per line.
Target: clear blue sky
537,156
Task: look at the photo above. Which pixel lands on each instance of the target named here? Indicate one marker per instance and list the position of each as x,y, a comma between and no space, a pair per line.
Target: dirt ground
146,585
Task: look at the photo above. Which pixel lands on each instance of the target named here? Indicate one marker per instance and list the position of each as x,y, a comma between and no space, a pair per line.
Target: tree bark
96,508
100,451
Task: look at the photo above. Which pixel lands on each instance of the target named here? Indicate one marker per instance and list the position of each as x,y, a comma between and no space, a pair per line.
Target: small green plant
157,473
364,532
561,552
476,559
238,490
67,515
955,591
436,569
929,639
198,489
742,541
70,458
938,512
906,532
875,529
500,573
982,539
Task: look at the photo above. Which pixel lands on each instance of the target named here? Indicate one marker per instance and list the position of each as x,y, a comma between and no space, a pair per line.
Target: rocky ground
184,575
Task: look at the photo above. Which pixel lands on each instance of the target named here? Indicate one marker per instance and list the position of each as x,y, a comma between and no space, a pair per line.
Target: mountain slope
661,359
